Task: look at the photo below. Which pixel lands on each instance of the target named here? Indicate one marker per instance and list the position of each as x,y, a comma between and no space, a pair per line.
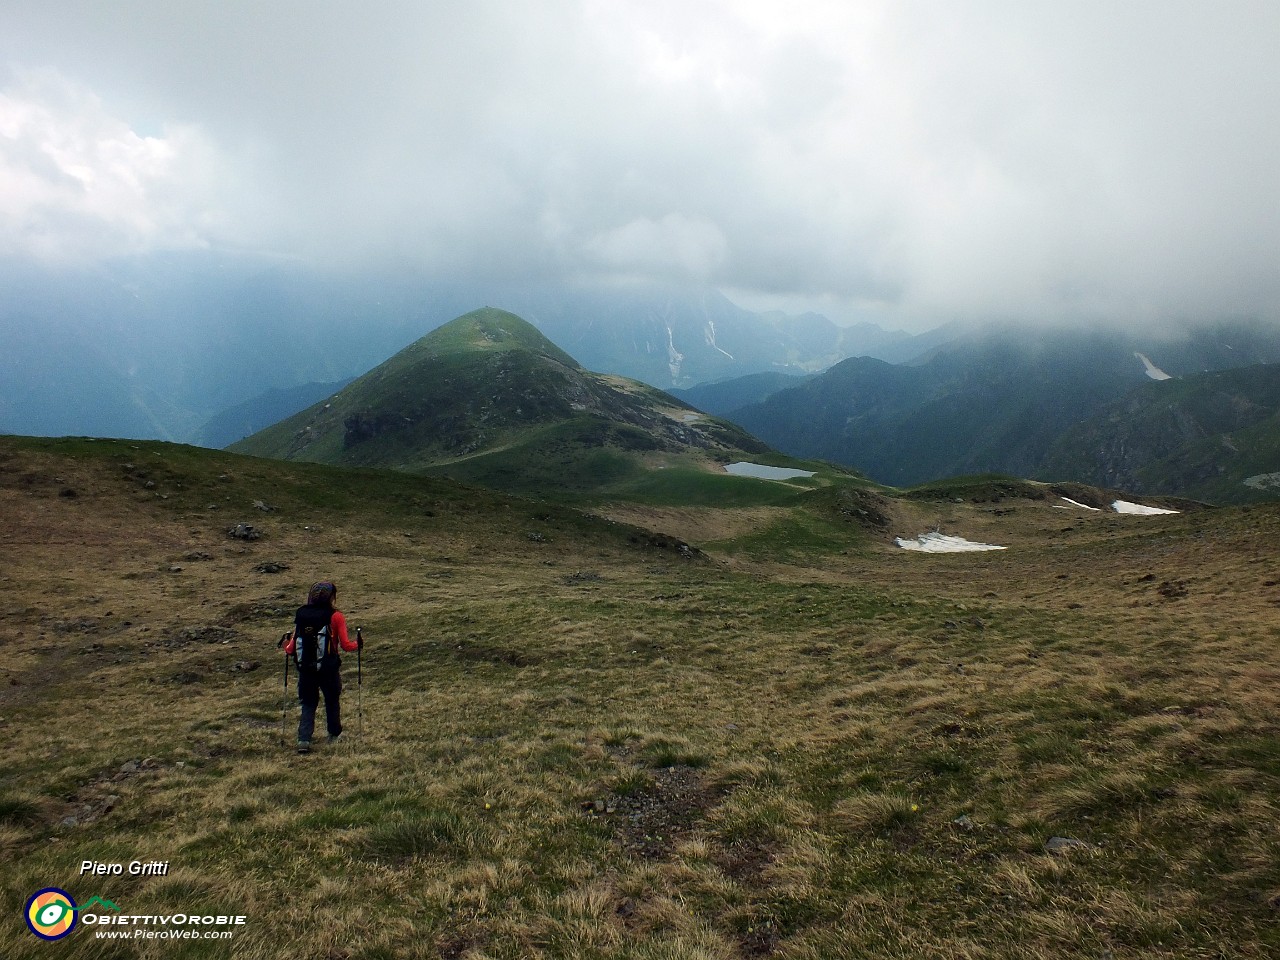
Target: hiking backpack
311,638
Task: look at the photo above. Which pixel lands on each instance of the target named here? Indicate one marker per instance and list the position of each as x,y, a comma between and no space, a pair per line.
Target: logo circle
51,913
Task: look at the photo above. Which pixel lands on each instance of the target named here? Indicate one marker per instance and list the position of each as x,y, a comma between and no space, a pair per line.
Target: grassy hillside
487,399
273,405
1204,436
726,396
663,730
994,402
1064,406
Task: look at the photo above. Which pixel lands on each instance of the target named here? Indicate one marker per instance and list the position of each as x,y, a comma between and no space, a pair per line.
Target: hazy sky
906,162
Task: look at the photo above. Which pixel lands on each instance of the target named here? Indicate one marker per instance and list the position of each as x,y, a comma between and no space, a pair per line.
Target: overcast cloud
905,162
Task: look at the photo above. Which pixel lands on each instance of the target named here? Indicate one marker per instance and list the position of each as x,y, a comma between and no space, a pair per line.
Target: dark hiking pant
310,686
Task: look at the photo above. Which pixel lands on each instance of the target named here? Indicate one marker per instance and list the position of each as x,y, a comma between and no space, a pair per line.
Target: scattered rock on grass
1066,845
206,634
95,809
128,769
649,822
82,625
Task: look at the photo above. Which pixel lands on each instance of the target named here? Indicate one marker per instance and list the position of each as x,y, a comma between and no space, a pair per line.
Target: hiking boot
304,746
334,737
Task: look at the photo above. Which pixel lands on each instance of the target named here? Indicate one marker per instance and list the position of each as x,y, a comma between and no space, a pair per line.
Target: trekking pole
284,699
359,685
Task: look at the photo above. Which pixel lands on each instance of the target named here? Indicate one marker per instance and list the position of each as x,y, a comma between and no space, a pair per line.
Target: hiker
319,635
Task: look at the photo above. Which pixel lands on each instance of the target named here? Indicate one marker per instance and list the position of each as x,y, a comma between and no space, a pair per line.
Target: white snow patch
1138,509
690,418
674,356
1082,506
941,543
762,472
1154,372
710,334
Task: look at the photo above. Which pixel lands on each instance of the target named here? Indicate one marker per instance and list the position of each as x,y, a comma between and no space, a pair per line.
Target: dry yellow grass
577,744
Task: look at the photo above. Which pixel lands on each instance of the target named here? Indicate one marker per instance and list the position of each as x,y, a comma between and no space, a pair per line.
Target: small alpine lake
761,471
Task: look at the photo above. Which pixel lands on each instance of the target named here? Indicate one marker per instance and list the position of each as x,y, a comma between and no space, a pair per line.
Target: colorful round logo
51,913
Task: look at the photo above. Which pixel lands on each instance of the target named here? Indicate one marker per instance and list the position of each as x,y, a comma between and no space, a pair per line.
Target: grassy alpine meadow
647,731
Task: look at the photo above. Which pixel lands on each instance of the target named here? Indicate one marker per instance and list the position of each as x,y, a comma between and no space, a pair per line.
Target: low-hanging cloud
911,162
78,182
686,247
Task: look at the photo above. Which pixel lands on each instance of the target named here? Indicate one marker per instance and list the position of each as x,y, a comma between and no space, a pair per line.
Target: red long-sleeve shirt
337,634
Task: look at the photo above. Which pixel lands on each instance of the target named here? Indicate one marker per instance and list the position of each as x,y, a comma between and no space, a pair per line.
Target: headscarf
322,594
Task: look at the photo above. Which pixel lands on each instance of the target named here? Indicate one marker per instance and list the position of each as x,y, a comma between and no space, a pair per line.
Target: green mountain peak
487,398
490,329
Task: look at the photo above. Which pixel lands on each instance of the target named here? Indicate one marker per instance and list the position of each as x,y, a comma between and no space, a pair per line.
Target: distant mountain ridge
244,419
1059,406
683,336
206,347
1214,436
989,404
725,396
157,346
